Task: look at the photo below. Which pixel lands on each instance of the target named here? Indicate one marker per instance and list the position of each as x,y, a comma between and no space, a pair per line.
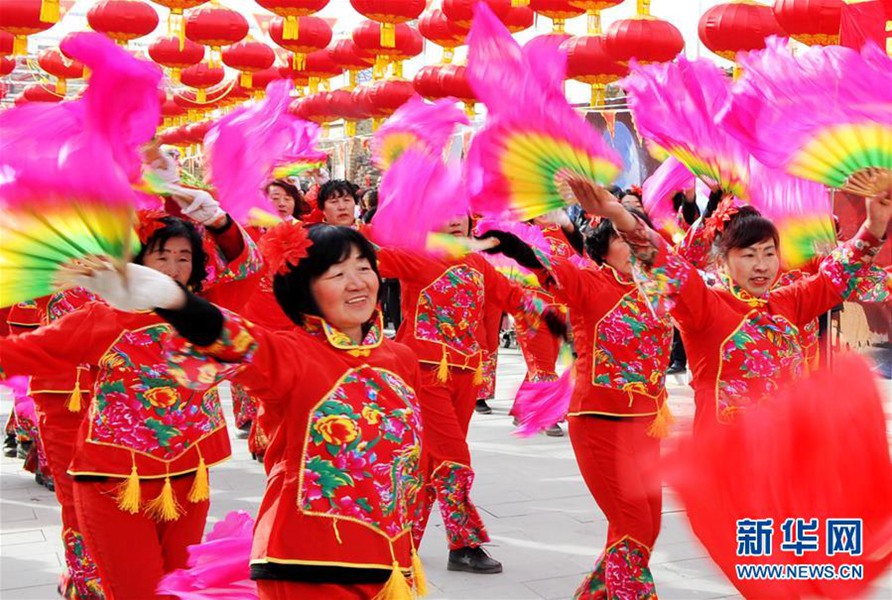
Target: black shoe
24,448
473,560
244,431
554,431
676,368
483,408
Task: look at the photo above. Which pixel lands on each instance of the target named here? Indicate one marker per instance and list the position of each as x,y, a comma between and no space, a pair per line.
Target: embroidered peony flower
336,429
284,245
161,397
372,415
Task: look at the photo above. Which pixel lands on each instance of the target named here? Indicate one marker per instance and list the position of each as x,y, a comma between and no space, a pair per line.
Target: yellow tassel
165,506
247,79
20,45
291,28
299,61
443,368
418,575
313,84
129,493
517,3
478,374
201,96
75,400
397,587
388,35
49,11
350,128
662,423
200,490
61,87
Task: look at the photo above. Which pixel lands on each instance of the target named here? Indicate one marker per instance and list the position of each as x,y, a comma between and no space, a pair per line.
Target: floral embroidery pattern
449,308
488,388
660,284
343,474
62,303
464,527
593,586
83,577
621,573
762,352
613,366
244,405
139,406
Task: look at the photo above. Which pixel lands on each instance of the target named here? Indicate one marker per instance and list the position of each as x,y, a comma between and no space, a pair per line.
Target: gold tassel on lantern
175,74
396,69
350,128
314,84
380,67
247,79
298,61
388,35
594,22
448,55
49,11
352,79
20,45
61,86
201,95
644,7
517,3
291,28
558,25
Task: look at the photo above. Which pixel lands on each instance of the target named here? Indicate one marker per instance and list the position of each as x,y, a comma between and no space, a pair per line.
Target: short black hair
301,207
174,227
598,243
336,187
745,228
331,245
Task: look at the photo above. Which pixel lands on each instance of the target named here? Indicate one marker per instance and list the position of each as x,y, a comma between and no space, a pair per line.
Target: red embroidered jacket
742,348
623,349
442,303
344,462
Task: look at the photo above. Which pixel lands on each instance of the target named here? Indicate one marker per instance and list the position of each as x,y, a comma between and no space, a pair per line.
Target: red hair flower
284,245
723,213
148,222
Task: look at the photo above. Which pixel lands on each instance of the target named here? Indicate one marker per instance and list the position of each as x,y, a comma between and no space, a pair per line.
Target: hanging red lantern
737,26
215,26
122,20
261,79
348,55
556,10
407,43
389,13
388,95
319,67
314,34
812,22
519,18
171,112
248,57
593,9
363,102
444,32
461,12
175,25
196,131
645,38
167,52
54,62
297,76
453,80
589,62
21,18
342,104
39,93
427,82
7,65
7,43
290,10
201,77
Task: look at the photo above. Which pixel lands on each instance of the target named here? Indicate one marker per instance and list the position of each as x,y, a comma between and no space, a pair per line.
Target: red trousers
133,552
446,409
620,465
59,429
294,590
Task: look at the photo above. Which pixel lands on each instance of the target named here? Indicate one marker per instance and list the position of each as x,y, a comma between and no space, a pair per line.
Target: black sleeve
199,321
690,212
514,248
715,197
575,238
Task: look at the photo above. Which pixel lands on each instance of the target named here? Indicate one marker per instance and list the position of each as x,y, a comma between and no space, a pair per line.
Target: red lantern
737,26
167,52
261,79
248,57
427,82
342,104
175,20
589,62
593,9
453,80
7,65
297,76
389,13
215,26
7,42
320,66
171,112
39,93
53,62
201,77
290,10
388,95
442,31
812,22
348,55
363,102
195,132
519,18
462,11
21,18
314,34
407,43
123,20
645,38
556,10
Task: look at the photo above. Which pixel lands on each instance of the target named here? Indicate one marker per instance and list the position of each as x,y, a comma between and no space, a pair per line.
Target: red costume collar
320,328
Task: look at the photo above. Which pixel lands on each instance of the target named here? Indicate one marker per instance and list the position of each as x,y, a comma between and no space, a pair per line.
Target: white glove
203,208
165,167
140,289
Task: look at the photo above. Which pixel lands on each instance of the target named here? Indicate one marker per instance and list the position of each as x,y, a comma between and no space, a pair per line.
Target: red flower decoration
636,189
284,245
148,222
723,213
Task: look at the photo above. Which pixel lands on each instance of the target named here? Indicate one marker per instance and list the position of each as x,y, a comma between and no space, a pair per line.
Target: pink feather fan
674,105
821,114
416,123
540,405
670,178
219,567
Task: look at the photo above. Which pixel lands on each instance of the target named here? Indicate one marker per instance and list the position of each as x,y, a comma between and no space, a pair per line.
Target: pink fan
529,234
219,567
242,147
540,405
674,105
418,194
415,124
670,178
822,114
301,154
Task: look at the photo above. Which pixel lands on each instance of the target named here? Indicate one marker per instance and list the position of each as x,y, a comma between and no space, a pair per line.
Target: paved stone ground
545,527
